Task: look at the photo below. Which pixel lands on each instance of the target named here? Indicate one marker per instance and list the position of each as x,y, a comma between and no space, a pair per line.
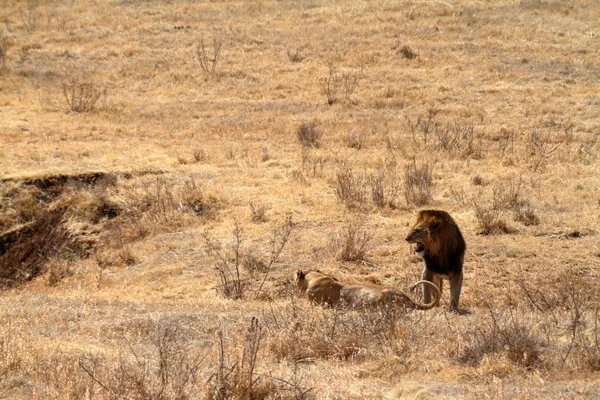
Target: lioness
440,244
324,289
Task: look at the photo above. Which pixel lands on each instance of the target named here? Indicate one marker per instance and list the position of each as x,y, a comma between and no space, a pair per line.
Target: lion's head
435,234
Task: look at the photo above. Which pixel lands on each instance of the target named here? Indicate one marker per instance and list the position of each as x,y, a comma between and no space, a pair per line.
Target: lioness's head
431,230
300,280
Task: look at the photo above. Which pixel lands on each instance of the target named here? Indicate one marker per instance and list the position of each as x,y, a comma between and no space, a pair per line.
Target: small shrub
418,183
352,242
335,83
259,211
199,155
526,215
385,185
309,135
207,62
355,140
82,96
490,221
502,334
350,188
295,56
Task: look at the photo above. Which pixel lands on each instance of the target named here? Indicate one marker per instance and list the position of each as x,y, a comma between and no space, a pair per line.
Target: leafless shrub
3,49
206,61
169,368
82,96
418,183
526,215
490,221
355,140
540,144
238,381
350,188
330,86
229,262
309,135
350,81
385,184
572,315
506,195
259,211
228,265
336,83
502,333
352,241
295,56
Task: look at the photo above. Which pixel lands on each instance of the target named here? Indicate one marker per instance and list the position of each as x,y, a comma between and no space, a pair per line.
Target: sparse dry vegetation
146,234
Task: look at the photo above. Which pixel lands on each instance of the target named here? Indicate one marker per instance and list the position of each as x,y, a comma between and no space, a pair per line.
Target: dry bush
540,144
303,334
355,140
490,221
502,333
385,184
238,381
335,84
568,306
258,211
351,242
418,183
309,135
229,262
456,137
207,62
168,368
350,188
526,215
295,56
82,96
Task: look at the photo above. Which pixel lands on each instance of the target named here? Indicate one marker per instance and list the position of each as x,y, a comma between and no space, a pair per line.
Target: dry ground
127,165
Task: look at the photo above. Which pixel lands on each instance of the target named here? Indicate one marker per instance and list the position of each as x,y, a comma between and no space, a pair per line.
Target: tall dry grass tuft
309,135
352,242
82,96
418,183
350,187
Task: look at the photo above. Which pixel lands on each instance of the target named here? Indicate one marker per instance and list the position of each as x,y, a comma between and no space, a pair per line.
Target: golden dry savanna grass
135,180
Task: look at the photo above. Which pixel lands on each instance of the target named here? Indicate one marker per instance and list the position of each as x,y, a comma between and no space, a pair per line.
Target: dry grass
133,131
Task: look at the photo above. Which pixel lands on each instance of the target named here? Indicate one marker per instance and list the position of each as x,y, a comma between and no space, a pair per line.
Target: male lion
440,244
325,289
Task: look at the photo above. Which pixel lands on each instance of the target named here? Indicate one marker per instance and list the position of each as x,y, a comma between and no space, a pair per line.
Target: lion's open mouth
419,247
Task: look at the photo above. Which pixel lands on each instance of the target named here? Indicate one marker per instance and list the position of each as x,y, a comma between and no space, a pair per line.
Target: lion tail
436,295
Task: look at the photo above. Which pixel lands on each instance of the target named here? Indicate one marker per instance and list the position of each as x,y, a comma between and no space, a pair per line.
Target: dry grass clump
503,334
418,183
350,187
352,241
309,135
507,196
82,96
